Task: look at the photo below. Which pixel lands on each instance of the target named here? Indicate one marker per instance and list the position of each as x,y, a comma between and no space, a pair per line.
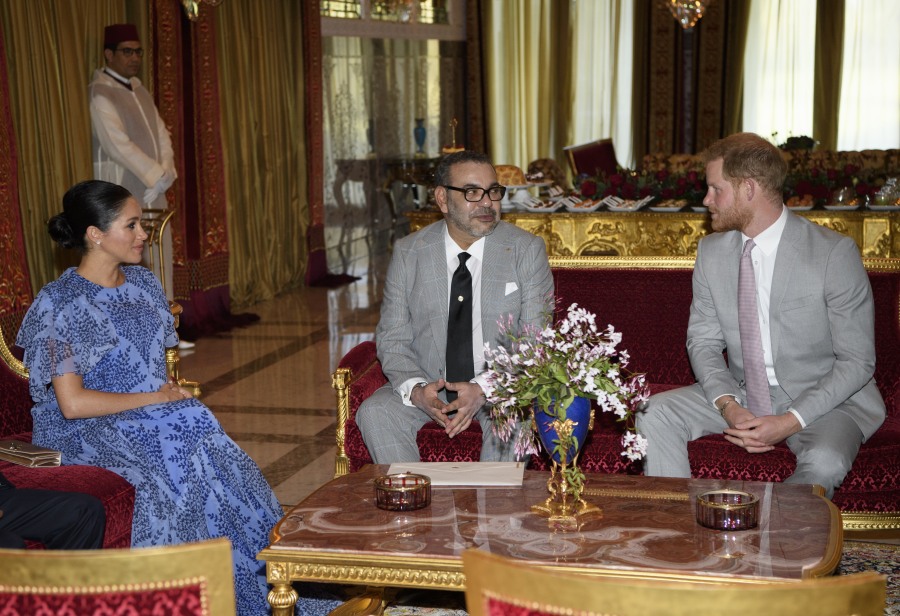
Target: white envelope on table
465,473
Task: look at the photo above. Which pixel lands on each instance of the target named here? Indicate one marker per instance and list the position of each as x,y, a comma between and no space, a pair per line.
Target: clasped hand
758,434
162,185
469,399
173,391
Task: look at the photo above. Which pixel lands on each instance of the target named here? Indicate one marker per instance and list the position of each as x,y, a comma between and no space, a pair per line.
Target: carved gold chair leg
173,359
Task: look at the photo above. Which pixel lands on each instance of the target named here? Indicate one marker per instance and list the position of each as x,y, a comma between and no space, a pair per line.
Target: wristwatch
724,406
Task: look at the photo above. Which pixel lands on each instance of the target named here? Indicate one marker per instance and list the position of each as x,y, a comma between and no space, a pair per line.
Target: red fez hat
119,33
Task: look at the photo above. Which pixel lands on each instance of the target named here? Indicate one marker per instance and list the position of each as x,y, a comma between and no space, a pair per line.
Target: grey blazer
411,336
821,319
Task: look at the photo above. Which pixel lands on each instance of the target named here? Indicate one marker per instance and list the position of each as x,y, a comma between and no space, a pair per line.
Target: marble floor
269,384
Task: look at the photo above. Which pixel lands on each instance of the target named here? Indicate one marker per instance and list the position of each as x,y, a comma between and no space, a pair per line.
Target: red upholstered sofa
116,494
648,299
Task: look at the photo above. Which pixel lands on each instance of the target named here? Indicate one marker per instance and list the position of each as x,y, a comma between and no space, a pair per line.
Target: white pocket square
511,287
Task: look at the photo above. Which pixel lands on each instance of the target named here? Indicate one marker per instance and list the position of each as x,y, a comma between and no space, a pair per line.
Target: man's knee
825,466
655,416
372,412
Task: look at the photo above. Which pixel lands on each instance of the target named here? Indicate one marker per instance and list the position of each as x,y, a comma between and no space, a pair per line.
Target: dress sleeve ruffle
147,281
71,337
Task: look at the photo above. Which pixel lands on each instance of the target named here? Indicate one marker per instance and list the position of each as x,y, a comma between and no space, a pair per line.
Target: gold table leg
282,599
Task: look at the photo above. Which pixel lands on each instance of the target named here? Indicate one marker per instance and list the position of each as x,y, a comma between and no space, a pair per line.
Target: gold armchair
496,585
188,579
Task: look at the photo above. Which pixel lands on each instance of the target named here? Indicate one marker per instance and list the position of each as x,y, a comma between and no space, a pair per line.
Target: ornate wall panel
710,77
317,265
662,82
187,95
15,284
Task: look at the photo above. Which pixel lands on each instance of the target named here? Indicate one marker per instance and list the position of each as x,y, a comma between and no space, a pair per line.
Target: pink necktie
755,379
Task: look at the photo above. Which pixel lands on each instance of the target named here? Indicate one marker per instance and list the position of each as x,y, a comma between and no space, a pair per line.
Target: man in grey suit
813,306
510,279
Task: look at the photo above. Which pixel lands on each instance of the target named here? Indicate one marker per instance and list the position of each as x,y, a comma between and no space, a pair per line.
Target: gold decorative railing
650,234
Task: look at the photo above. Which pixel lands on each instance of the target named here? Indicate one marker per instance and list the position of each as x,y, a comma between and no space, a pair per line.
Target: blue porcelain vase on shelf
562,433
419,133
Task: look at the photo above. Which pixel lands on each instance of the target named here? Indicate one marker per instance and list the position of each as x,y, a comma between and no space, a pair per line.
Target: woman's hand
173,391
76,402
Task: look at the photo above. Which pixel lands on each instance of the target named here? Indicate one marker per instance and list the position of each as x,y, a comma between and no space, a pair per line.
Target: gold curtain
52,48
827,84
264,137
526,83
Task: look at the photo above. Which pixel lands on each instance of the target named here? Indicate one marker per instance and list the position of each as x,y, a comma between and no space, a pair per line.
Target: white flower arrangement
549,367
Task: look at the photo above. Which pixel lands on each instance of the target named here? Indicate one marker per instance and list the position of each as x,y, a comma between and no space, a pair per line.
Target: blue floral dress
192,482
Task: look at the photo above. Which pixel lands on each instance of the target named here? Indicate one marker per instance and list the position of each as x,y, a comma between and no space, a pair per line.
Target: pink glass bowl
403,492
728,510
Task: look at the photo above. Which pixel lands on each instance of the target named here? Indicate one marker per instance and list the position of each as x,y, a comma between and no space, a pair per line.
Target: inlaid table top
646,529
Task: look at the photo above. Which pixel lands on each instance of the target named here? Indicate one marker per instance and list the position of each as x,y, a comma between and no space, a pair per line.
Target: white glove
166,181
151,194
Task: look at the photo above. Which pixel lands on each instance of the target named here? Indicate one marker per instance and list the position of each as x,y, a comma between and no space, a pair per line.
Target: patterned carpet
857,556
883,558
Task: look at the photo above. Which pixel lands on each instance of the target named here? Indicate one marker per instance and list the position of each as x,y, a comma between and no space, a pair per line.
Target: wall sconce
192,7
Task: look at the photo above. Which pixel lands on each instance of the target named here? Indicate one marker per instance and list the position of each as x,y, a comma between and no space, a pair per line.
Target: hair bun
60,230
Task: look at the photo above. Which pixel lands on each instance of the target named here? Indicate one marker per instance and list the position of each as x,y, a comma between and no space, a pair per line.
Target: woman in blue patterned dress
95,342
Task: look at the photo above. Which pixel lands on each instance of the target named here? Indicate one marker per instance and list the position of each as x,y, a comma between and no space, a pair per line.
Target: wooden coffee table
647,530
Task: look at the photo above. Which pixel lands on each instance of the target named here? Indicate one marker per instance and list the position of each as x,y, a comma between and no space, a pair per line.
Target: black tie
460,367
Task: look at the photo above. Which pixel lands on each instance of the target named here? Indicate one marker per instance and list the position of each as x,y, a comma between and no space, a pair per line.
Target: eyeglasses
474,194
131,51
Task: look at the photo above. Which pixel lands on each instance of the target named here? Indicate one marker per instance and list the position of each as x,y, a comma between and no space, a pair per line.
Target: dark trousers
59,520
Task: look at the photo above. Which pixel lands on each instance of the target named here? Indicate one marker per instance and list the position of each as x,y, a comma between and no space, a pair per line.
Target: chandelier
687,12
192,7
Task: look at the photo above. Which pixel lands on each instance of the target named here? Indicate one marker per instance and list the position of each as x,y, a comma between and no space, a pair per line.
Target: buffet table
674,234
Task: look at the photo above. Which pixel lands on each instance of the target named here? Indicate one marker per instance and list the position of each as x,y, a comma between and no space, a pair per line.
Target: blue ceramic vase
579,412
419,135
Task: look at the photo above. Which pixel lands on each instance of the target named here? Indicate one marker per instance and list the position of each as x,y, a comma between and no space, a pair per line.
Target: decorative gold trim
93,589
14,364
586,262
284,567
872,264
354,568
639,494
874,521
882,264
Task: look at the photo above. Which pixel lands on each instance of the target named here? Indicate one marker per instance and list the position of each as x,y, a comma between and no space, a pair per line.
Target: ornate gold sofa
648,300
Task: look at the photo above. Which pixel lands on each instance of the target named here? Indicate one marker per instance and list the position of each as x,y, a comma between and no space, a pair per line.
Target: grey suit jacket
411,336
821,319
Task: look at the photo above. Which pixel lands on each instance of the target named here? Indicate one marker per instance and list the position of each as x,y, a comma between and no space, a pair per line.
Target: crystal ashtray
728,510
402,492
